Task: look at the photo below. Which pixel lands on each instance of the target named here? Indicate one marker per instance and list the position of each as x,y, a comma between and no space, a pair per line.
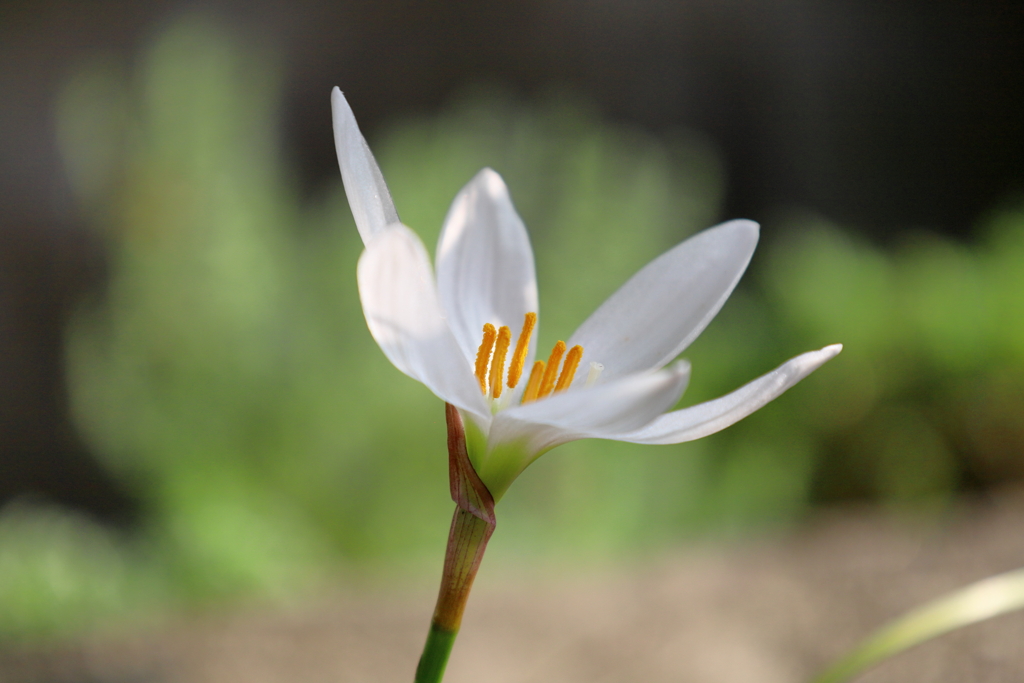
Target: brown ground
767,612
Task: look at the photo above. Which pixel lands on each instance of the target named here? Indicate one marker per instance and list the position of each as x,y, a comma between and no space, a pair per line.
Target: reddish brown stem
472,526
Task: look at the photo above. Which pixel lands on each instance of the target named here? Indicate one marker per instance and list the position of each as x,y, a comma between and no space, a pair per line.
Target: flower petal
485,270
367,192
707,418
598,411
520,434
404,316
662,309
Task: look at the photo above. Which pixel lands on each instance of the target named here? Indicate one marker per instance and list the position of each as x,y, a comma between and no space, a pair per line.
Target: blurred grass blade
985,599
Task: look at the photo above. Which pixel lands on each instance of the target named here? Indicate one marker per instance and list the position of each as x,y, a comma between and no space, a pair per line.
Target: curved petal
485,268
599,411
707,418
403,314
519,435
662,309
367,192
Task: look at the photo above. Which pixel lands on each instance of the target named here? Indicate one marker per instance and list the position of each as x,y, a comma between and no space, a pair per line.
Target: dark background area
882,116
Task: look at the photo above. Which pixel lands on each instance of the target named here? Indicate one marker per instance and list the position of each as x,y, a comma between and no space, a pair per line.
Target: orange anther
483,356
498,362
551,371
572,361
533,384
515,370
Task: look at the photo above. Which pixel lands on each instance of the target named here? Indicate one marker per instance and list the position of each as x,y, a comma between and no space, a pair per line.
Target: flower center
545,377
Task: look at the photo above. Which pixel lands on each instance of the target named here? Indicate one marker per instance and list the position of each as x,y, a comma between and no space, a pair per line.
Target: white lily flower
456,332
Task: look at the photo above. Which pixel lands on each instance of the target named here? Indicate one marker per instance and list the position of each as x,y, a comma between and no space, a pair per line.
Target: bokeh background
192,412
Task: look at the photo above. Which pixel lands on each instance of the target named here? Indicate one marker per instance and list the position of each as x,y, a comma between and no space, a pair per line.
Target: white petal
595,412
400,303
662,309
485,263
368,195
707,418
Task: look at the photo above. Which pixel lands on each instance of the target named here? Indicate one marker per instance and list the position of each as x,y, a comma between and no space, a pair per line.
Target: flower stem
435,654
472,526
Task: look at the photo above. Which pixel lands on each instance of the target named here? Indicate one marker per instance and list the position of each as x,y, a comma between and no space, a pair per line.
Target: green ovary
499,466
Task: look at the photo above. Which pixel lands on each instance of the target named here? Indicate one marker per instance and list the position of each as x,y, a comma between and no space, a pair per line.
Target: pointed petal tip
491,181
740,233
742,228
339,105
341,114
806,363
827,353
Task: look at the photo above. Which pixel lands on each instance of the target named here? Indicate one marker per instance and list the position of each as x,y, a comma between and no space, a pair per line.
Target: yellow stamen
515,370
483,356
533,384
551,371
572,361
498,362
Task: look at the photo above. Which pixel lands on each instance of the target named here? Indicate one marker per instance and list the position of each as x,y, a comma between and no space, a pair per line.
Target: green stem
472,526
435,654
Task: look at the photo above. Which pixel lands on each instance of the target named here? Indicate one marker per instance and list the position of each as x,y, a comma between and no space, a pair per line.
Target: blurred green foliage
930,396
226,374
60,571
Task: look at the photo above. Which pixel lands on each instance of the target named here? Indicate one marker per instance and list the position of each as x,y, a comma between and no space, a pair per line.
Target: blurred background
192,411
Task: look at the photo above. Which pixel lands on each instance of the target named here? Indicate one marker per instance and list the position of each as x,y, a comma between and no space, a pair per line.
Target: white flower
455,334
